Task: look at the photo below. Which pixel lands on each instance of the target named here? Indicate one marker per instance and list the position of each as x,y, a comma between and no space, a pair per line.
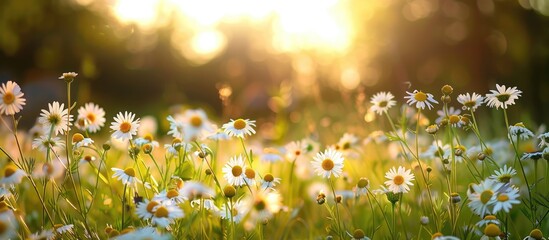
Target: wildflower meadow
430,165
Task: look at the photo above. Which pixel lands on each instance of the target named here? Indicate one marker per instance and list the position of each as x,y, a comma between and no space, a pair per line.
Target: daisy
271,155
487,220
127,176
42,235
219,136
506,199
346,142
362,186
491,231
144,210
264,204
176,126
177,146
87,159
535,234
90,118
381,102
294,150
12,176
195,190
68,76
124,126
520,131
482,196
442,115
269,181
60,228
237,211
502,97
249,176
420,99
165,213
196,125
358,234
399,180
239,127
55,119
43,143
8,224
170,195
234,171
11,98
504,174
533,155
543,140
328,162
470,102
78,140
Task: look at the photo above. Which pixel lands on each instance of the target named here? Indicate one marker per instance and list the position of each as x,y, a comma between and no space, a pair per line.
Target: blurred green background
268,57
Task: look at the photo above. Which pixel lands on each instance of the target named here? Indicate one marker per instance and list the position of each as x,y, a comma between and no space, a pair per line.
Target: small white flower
239,127
165,214
346,142
237,211
11,98
506,199
502,97
176,126
269,181
399,180
234,171
483,196
55,119
470,102
487,220
294,150
68,75
543,140
328,162
60,228
381,102
90,118
124,126
194,190
126,176
12,176
144,210
420,99
43,143
520,131
196,125
504,174
441,114
170,195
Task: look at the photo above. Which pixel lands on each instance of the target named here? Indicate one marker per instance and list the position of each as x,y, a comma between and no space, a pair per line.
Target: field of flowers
83,173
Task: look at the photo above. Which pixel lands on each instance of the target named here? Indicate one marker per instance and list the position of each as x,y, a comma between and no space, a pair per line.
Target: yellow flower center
486,196
10,170
503,198
151,205
362,183
470,104
130,172
383,104
81,122
398,180
504,178
346,146
537,234
54,119
91,117
250,173
358,234
56,226
234,211
77,137
125,127
453,119
196,121
297,152
268,177
490,217
328,164
161,212
8,98
3,227
437,234
492,230
260,205
420,96
488,151
172,193
148,137
239,124
237,171
503,97
88,158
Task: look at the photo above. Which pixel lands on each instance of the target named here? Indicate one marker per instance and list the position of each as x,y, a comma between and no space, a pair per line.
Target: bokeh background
258,58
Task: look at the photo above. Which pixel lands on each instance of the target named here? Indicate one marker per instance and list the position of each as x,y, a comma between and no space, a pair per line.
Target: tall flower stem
338,219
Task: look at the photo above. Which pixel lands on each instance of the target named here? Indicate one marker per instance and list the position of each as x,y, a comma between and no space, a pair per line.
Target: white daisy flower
234,171
441,114
144,210
543,140
487,220
399,180
8,224
346,142
236,213
43,235
11,98
124,126
171,195
90,118
194,190
269,181
381,102
270,155
482,196
520,131
219,136
147,139
12,176
535,234
506,199
263,205
294,150
362,187
420,99
61,229
196,125
142,234
177,146
43,143
50,170
328,162
491,231
470,102
126,176
502,97
54,119
249,176
177,126
165,214
504,174
239,127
